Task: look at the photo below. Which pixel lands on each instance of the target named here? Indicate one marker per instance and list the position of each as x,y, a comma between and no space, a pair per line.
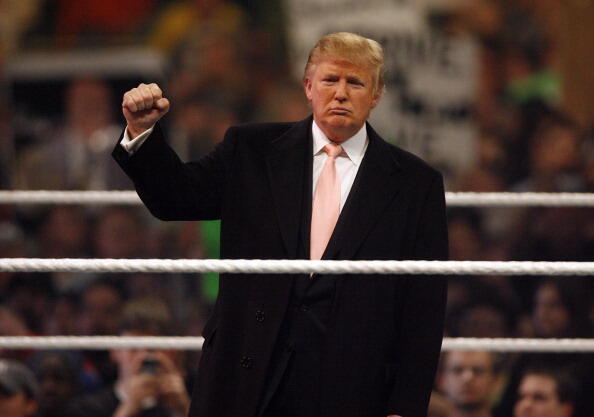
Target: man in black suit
301,345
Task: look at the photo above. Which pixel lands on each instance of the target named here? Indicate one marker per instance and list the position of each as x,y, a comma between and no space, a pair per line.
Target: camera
150,365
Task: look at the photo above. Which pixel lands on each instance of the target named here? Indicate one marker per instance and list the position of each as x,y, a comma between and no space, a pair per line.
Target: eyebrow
355,78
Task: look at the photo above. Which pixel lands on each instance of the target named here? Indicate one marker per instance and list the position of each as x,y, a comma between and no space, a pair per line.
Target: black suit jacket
385,332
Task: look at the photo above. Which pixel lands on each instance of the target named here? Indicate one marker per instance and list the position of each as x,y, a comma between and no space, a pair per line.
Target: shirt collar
354,147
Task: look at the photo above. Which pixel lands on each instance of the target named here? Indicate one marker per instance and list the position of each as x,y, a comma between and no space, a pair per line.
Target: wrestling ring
420,268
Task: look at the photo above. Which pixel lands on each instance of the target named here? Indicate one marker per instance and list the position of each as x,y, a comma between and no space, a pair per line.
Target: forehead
342,67
469,358
538,383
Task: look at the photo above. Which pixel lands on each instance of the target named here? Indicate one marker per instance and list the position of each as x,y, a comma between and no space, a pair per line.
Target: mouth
339,111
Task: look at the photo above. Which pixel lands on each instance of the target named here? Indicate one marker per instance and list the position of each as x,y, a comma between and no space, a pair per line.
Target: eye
356,82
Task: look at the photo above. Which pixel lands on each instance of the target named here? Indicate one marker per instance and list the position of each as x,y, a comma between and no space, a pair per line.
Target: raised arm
170,188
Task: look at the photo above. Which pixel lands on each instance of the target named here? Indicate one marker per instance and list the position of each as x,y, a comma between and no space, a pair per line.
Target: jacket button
246,362
260,316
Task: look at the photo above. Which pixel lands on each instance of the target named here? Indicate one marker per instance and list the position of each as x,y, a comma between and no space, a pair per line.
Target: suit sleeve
173,190
421,326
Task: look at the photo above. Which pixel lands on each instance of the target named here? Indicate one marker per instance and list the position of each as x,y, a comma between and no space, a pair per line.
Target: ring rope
195,343
280,266
453,199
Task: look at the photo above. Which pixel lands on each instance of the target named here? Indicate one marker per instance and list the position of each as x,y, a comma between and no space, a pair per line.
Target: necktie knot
333,150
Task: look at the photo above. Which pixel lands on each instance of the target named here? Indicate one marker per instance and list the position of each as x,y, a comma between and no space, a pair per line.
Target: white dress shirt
347,164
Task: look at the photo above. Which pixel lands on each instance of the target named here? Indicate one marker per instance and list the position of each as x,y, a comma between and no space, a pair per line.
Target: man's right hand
143,106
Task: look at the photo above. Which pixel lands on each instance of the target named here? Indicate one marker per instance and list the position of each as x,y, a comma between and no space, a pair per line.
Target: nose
340,94
467,374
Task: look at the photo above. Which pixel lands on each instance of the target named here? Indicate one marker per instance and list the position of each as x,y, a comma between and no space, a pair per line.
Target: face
342,96
129,361
551,318
57,384
17,405
468,379
537,397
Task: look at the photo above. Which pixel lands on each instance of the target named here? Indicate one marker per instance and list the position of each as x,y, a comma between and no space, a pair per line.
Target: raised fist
143,106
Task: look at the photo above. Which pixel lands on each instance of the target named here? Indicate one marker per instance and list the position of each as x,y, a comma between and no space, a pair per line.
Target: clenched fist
143,106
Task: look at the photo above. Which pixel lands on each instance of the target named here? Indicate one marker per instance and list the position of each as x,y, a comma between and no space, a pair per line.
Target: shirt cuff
132,145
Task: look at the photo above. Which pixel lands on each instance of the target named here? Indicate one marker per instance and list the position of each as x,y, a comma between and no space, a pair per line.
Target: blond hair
352,48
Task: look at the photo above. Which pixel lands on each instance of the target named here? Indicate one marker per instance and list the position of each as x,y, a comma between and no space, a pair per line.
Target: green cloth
211,238
543,85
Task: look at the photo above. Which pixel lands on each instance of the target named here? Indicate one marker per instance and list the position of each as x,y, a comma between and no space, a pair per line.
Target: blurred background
495,93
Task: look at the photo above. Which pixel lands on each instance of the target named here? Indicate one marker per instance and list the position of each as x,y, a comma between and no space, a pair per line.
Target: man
545,392
18,390
470,380
308,346
149,383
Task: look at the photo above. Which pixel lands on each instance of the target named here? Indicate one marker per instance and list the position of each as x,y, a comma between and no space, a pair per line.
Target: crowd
227,65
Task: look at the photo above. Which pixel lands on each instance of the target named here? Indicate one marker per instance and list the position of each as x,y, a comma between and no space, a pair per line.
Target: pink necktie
326,204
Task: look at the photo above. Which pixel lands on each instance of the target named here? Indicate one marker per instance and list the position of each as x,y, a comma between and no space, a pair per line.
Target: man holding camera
150,383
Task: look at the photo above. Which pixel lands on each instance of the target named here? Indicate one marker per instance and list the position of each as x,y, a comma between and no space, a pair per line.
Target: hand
143,106
172,389
143,392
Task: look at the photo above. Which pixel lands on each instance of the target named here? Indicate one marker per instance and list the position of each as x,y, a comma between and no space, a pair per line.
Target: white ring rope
280,266
453,199
195,343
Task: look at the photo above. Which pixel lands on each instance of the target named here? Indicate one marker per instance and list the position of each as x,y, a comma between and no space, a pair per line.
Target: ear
377,98
308,85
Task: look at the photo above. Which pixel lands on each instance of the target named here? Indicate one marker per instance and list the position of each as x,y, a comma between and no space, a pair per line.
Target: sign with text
430,77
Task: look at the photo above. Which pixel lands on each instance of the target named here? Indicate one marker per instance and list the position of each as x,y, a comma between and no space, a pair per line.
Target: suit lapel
376,184
286,162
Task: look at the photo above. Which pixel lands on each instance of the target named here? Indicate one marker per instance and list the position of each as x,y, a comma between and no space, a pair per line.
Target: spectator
559,309
12,324
31,297
470,381
148,383
18,390
58,377
483,311
101,305
64,233
120,232
554,156
75,157
545,393
199,123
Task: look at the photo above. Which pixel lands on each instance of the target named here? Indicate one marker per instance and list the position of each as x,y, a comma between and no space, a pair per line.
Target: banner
431,78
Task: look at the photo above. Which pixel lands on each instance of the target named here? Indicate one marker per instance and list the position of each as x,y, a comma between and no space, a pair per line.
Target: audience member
470,380
18,390
59,381
545,393
559,309
11,324
482,311
75,157
120,232
101,304
149,383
